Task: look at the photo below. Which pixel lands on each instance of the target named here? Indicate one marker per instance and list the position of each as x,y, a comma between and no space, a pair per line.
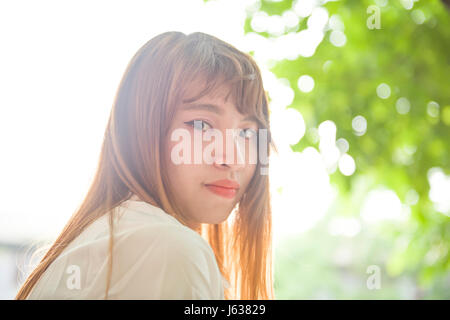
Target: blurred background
360,111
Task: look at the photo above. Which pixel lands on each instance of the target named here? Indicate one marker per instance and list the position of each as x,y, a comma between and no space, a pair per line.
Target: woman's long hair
132,156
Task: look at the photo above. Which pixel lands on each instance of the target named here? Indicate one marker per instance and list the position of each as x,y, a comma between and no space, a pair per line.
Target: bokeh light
383,91
305,83
402,105
359,125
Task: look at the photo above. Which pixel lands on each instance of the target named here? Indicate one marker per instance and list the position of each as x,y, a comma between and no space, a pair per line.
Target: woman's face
200,202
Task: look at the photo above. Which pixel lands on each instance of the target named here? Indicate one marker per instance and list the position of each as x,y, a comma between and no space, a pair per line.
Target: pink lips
224,188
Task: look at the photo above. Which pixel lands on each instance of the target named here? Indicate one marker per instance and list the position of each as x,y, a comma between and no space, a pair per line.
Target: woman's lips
221,191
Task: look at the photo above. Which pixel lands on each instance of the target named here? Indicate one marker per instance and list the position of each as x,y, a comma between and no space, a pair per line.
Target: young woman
151,227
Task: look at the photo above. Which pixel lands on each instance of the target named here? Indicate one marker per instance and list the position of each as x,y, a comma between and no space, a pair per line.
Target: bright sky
61,63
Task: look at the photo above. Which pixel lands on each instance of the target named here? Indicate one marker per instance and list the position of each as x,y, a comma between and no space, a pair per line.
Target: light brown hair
132,156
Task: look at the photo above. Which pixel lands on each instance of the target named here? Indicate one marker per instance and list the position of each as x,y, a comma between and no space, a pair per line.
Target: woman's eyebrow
204,106
215,109
251,118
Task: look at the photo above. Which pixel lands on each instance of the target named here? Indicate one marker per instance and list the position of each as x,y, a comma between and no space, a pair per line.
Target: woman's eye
248,133
198,124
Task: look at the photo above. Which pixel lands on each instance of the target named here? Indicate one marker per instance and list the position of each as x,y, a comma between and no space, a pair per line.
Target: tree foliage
410,53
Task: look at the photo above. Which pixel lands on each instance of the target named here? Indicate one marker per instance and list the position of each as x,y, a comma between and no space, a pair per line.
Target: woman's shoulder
165,259
153,256
140,225
163,238
142,222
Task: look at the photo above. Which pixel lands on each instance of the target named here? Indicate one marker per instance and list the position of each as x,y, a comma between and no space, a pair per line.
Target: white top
154,257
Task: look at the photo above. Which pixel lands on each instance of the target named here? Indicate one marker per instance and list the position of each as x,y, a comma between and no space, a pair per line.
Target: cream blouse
154,257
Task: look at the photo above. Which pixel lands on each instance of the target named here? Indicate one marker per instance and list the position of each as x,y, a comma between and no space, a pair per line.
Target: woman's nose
232,154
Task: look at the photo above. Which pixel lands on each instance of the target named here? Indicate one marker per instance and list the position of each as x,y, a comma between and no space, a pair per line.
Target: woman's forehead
193,90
